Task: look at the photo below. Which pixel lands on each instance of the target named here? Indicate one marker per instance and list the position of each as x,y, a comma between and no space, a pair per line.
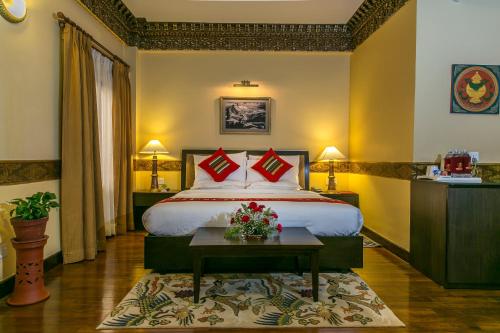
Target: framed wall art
248,115
475,89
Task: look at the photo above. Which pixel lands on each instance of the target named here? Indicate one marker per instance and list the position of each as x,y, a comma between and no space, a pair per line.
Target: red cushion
219,165
271,166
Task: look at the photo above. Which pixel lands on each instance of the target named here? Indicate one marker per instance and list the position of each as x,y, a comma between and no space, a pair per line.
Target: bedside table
142,200
349,197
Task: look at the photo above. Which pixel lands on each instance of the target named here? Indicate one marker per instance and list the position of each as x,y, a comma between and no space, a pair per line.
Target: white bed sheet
183,218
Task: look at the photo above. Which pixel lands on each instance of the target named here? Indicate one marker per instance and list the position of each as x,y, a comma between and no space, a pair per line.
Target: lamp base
154,175
332,186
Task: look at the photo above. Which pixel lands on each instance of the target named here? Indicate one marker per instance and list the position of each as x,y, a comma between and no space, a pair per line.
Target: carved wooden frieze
115,15
370,16
341,167
227,36
241,36
147,165
21,172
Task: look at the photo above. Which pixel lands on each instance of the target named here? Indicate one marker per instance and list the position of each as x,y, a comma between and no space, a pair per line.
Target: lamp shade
330,153
154,147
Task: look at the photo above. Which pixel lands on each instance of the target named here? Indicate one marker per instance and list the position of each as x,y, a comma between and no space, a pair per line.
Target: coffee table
293,242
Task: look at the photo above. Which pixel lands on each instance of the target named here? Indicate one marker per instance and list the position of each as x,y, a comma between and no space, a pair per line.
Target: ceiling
246,11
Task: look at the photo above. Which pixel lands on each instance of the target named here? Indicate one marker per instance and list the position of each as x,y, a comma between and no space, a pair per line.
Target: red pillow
271,166
219,165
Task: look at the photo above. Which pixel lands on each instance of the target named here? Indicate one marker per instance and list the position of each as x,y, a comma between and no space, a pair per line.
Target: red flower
245,218
252,205
258,209
274,215
279,227
266,221
232,220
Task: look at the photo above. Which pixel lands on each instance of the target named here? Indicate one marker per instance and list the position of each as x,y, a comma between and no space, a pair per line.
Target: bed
172,222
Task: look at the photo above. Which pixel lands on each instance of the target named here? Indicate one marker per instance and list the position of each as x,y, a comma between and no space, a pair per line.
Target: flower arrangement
253,221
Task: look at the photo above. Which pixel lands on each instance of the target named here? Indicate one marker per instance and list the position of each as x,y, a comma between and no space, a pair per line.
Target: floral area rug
250,301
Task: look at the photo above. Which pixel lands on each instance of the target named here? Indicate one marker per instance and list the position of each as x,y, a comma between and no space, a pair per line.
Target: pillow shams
291,176
203,179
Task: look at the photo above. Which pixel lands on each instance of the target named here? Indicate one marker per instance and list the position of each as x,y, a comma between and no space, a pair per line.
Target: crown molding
242,36
370,16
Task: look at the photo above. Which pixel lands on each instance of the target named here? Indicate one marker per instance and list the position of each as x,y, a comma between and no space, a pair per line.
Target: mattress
188,210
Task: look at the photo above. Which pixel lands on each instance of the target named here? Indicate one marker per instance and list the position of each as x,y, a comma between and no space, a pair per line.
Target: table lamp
329,155
154,147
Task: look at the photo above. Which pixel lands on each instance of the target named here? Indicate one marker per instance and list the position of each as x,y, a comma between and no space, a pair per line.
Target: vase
253,237
29,287
29,230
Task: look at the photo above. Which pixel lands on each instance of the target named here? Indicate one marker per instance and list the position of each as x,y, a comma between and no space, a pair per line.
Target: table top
289,238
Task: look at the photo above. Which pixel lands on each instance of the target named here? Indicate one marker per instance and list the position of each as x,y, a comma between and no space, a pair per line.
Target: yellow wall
453,33
178,92
178,98
29,96
381,121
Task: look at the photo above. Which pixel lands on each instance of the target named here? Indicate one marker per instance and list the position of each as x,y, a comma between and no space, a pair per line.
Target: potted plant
29,219
30,215
253,222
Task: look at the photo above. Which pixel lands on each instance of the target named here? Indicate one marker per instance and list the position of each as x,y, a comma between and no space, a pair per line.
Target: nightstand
349,197
142,200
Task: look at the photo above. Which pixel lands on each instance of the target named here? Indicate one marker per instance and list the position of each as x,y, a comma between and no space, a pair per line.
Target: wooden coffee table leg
196,276
297,266
315,275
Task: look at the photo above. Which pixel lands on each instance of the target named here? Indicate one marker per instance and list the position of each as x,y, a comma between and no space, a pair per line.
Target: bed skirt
166,254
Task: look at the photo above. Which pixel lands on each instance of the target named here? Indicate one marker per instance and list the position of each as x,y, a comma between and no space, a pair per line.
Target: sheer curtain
103,68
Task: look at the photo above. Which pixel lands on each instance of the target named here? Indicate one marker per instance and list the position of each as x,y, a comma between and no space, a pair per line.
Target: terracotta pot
29,287
29,230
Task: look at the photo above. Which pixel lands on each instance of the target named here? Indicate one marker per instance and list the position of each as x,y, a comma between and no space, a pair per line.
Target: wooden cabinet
142,200
455,233
349,197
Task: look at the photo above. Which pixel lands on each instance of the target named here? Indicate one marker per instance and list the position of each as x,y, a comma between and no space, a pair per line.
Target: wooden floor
83,294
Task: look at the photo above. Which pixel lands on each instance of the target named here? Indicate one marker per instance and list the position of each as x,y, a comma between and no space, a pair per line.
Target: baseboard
7,286
387,244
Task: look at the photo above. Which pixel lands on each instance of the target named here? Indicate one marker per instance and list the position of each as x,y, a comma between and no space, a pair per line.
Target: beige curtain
122,158
82,217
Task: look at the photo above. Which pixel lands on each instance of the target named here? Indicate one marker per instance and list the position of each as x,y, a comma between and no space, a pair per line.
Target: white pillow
210,184
267,185
291,176
203,179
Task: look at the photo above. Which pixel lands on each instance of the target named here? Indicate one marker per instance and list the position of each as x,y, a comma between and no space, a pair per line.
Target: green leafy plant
35,207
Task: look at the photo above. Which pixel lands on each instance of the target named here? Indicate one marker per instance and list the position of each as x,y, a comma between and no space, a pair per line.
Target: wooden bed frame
170,254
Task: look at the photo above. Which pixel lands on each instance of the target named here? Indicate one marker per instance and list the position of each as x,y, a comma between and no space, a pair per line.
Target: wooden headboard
187,169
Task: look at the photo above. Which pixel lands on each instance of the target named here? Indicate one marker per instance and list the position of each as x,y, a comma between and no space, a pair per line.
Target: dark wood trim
370,16
7,285
146,35
340,166
397,170
147,165
387,244
22,172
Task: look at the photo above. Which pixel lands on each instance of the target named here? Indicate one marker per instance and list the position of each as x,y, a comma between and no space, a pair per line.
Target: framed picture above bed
249,115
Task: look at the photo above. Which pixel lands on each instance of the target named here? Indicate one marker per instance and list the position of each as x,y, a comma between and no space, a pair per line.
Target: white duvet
183,218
